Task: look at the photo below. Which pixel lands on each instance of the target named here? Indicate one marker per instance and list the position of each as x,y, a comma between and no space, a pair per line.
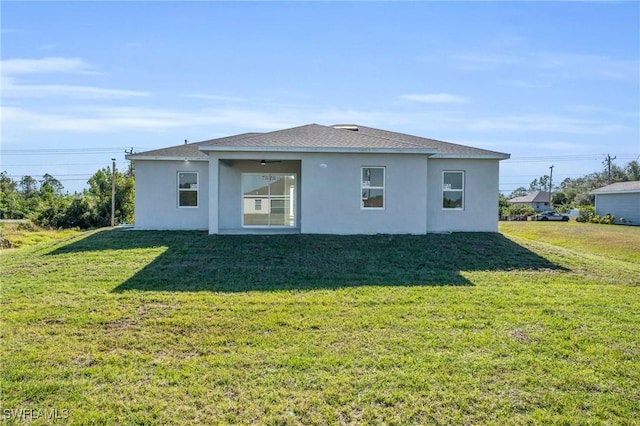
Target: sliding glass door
268,199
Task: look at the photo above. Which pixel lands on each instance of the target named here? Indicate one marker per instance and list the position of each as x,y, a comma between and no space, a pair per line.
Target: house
621,199
343,179
539,201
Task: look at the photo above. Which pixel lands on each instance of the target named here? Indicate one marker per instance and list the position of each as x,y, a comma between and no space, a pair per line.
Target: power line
64,175
566,158
108,148
73,179
52,165
63,151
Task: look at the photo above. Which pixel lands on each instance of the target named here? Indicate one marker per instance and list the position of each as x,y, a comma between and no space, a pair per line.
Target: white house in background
539,201
343,179
621,199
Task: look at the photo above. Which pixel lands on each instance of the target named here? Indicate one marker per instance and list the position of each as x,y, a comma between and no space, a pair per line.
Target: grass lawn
620,242
535,325
26,234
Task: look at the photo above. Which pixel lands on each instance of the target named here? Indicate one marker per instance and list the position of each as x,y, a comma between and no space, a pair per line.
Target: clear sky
551,83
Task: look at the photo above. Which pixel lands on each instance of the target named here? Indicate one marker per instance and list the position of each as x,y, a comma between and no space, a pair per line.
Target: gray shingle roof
314,137
187,150
631,186
534,197
442,147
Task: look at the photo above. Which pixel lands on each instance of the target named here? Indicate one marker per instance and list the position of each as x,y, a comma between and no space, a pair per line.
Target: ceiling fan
265,162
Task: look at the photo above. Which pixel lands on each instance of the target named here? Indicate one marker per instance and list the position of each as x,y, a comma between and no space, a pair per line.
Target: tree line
572,192
46,204
575,191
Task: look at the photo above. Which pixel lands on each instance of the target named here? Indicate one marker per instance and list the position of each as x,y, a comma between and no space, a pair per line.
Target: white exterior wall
332,197
626,205
156,204
480,212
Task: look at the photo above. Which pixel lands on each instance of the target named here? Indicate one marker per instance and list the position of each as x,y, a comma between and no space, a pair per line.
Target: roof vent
351,127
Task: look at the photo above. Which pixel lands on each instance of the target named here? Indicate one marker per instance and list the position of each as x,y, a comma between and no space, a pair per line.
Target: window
453,190
268,199
372,187
187,189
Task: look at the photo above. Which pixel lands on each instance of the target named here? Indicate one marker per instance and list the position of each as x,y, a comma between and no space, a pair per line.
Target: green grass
127,327
26,234
620,242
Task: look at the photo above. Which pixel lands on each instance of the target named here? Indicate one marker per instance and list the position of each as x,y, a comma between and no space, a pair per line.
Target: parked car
549,215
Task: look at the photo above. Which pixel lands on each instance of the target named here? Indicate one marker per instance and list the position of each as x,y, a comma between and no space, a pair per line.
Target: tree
98,198
618,174
584,199
30,202
47,205
559,198
540,184
12,204
632,170
28,186
7,185
51,184
503,204
519,192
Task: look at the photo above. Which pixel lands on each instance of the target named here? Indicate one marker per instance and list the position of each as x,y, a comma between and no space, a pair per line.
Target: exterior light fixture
263,163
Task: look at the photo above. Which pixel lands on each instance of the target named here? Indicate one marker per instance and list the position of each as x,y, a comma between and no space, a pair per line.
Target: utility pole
550,185
607,162
130,171
113,192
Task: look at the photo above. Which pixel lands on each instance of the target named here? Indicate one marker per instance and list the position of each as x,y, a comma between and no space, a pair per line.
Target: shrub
562,208
520,210
586,214
27,226
608,219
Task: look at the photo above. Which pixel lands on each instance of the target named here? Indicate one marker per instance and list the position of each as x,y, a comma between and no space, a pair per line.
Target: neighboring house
343,179
539,201
621,199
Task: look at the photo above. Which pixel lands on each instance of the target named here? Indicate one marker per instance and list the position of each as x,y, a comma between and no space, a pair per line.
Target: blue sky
552,83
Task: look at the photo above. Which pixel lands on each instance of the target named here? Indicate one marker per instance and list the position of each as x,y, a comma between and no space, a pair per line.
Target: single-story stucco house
538,200
342,179
621,199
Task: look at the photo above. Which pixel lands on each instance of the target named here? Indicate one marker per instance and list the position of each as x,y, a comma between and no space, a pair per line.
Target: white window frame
383,187
196,190
462,191
268,203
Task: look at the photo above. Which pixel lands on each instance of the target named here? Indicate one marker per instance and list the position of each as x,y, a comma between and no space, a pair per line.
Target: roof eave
488,156
621,191
312,149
